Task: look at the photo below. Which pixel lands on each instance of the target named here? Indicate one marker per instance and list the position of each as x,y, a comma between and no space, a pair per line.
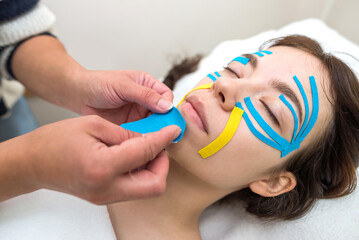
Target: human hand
122,96
94,159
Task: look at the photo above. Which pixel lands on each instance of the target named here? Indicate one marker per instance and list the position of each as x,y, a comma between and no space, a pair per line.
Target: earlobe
274,186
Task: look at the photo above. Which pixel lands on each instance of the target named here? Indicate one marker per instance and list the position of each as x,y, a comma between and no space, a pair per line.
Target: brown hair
325,169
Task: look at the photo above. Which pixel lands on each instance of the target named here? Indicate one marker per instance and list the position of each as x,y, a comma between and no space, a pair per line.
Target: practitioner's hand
91,158
123,96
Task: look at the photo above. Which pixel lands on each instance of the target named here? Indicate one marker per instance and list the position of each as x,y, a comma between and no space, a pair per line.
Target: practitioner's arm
43,66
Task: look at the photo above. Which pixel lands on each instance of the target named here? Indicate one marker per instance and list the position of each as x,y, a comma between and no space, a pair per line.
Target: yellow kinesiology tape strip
225,136
205,86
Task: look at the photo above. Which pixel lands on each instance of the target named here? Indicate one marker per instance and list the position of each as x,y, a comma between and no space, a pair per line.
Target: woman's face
245,158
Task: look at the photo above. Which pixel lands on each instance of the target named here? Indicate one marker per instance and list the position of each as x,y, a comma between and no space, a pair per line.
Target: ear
274,186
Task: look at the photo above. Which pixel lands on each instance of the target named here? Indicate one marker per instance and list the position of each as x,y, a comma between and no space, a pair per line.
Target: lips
195,110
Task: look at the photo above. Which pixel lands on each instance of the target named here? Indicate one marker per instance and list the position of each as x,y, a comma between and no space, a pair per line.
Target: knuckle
95,175
149,152
149,95
93,120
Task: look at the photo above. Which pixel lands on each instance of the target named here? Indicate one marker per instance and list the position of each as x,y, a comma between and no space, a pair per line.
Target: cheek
241,161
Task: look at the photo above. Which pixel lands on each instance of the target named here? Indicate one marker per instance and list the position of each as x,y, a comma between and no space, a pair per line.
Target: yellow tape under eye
205,86
225,136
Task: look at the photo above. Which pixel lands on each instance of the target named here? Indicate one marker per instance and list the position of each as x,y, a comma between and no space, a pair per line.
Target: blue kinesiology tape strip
259,54
315,109
241,59
279,142
266,51
306,105
262,123
212,77
217,74
157,121
294,115
255,131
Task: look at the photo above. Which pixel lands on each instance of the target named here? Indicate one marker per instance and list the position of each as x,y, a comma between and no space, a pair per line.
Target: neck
174,215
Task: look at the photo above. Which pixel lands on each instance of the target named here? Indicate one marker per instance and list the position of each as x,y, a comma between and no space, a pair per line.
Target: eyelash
229,69
272,116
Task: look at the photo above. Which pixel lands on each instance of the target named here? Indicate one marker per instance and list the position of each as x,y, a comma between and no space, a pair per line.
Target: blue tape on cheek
255,132
306,105
294,115
315,110
275,136
279,142
241,59
157,121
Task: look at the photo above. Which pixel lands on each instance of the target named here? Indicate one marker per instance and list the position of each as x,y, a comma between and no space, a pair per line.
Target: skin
90,157
195,183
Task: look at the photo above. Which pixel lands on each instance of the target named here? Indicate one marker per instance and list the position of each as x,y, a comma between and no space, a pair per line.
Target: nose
225,91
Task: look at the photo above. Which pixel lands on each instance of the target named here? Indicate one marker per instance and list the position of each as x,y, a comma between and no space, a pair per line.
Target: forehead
289,61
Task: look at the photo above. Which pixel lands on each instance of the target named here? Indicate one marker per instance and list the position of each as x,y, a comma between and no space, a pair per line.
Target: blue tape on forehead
157,121
266,51
259,54
279,142
241,59
212,77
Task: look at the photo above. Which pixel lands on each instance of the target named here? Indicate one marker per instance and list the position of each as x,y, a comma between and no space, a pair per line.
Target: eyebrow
279,85
252,59
287,91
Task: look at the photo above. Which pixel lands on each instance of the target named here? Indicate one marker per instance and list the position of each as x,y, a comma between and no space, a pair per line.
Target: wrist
77,89
15,169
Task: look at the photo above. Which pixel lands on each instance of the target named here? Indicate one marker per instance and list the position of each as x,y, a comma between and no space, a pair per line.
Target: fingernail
178,132
165,104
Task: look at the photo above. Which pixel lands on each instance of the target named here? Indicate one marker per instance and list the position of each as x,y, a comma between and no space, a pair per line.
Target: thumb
110,133
136,152
149,98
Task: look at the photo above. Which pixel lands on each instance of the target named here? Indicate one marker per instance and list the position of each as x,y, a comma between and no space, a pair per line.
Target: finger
144,183
148,98
159,166
136,152
158,86
108,132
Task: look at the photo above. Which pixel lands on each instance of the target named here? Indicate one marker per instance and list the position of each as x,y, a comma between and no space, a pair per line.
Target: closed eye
272,116
231,70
